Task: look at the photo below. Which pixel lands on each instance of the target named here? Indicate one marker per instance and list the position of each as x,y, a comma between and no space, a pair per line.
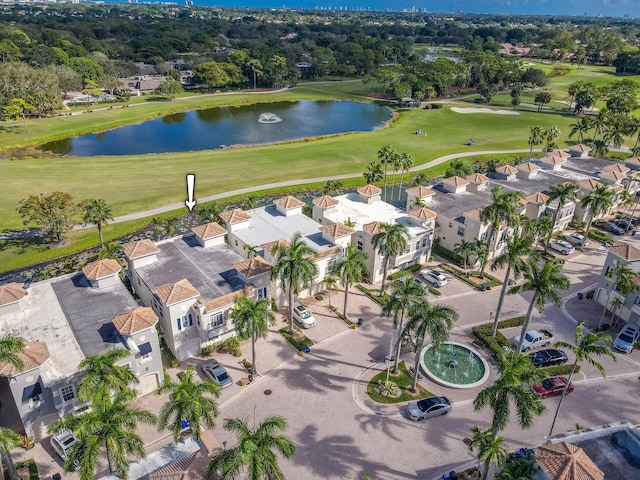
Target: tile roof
252,267
564,461
337,230
477,178
288,202
209,230
616,188
101,269
11,293
372,227
269,246
522,202
626,251
234,216
227,299
580,148
176,292
633,160
537,197
140,248
455,181
589,184
422,213
474,214
186,468
369,190
559,153
420,191
325,201
128,323
327,252
612,175
616,167
527,167
33,355
553,160
507,169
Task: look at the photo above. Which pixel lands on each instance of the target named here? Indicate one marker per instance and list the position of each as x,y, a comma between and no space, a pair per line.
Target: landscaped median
298,340
403,380
473,278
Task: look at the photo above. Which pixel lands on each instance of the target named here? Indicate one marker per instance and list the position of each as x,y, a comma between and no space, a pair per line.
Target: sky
607,8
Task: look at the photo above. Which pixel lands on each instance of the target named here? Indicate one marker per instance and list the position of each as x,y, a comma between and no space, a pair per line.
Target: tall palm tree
481,254
583,125
189,400
545,283
544,231
103,378
600,122
386,155
433,320
562,192
404,296
252,250
330,283
332,187
622,278
616,305
586,348
98,212
616,130
256,450
252,318
406,162
209,212
109,425
489,447
419,179
396,164
294,268
390,241
8,440
10,348
518,249
512,387
598,201
374,173
464,250
535,138
351,268
550,135
110,250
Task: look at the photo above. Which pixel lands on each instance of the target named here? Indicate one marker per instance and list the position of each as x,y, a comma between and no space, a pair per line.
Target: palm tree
419,179
10,348
404,296
518,248
189,401
170,225
535,138
600,122
524,468
386,155
109,425
489,447
332,187
256,450
330,283
481,252
294,268
98,212
433,320
616,305
622,278
586,348
209,212
252,318
249,203
390,241
512,387
374,173
351,268
406,162
252,250
550,135
598,201
110,250
583,125
545,283
616,130
465,250
563,192
8,440
396,164
103,378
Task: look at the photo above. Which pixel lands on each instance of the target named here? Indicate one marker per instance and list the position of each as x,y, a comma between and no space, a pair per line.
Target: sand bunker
484,110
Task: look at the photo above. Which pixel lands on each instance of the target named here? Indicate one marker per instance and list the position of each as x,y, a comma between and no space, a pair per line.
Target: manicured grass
298,340
404,381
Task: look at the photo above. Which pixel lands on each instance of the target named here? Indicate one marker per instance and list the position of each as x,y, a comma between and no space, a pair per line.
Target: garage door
148,383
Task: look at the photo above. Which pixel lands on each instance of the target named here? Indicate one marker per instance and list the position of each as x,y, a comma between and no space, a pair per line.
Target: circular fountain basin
454,365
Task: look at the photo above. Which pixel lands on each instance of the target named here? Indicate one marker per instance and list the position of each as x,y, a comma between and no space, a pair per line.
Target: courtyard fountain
454,365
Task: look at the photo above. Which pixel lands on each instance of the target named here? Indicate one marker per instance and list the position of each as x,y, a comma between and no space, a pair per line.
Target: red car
552,386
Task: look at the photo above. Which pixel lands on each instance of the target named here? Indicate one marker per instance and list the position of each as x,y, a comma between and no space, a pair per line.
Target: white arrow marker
191,181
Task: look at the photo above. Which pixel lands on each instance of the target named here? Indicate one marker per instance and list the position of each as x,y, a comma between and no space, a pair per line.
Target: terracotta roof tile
581,147
327,252
337,230
522,202
616,188
128,323
616,167
559,153
473,214
422,213
176,292
477,178
190,467
235,216
589,184
141,248
612,175
268,247
33,355
325,201
527,167
626,251
101,269
209,230
369,190
288,202
633,160
537,197
252,267
11,293
507,169
227,299
372,227
456,181
564,461
553,160
420,191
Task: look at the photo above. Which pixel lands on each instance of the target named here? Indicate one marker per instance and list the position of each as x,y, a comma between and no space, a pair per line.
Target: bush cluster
599,236
499,343
230,345
406,271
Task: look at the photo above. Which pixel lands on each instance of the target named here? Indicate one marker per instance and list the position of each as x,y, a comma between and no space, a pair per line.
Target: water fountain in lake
454,365
268,117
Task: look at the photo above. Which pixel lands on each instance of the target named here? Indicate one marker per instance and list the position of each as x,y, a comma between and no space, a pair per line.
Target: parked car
216,372
303,316
627,337
552,386
575,238
435,278
609,227
625,223
561,246
420,283
62,443
428,407
534,339
548,358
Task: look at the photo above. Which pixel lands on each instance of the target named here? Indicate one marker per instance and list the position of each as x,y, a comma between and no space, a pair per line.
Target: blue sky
611,8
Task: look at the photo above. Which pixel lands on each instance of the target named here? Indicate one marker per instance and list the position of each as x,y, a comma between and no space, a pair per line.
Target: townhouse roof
453,205
537,197
564,461
176,292
236,215
556,152
252,267
588,168
128,323
209,230
633,161
269,246
589,184
140,248
580,147
327,252
474,214
612,175
420,191
616,188
528,167
477,178
325,201
372,227
369,190
552,160
191,467
227,299
422,213
456,181
616,167
11,293
625,251
507,169
288,202
337,230
101,269
34,355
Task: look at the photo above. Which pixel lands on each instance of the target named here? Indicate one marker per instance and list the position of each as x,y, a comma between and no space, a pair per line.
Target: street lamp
490,316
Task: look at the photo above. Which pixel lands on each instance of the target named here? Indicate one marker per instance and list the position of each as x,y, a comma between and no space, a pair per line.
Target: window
461,231
359,245
190,320
216,320
424,242
262,292
67,393
483,237
179,323
330,264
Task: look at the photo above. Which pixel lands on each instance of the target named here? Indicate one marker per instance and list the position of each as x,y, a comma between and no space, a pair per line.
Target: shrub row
435,291
382,301
168,354
406,271
599,236
498,343
230,345
559,370
298,345
473,280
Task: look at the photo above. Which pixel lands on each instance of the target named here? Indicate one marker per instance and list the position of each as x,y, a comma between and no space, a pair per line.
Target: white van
62,443
303,316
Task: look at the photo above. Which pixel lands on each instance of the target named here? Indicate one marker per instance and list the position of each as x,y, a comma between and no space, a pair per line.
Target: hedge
435,291
498,343
405,271
599,236
382,301
559,370
473,280
298,345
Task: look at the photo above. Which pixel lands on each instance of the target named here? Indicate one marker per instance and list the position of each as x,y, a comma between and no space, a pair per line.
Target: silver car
575,238
627,338
428,407
217,373
561,246
435,278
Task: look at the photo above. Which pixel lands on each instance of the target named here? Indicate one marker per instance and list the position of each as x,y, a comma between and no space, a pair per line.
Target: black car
548,357
609,227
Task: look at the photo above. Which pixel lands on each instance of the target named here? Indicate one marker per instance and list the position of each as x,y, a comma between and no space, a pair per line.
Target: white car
561,246
62,443
303,316
435,278
627,338
575,238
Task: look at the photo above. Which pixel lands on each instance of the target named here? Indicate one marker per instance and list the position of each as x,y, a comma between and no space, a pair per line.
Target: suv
575,238
303,316
561,246
435,278
62,443
627,338
625,223
609,227
548,358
